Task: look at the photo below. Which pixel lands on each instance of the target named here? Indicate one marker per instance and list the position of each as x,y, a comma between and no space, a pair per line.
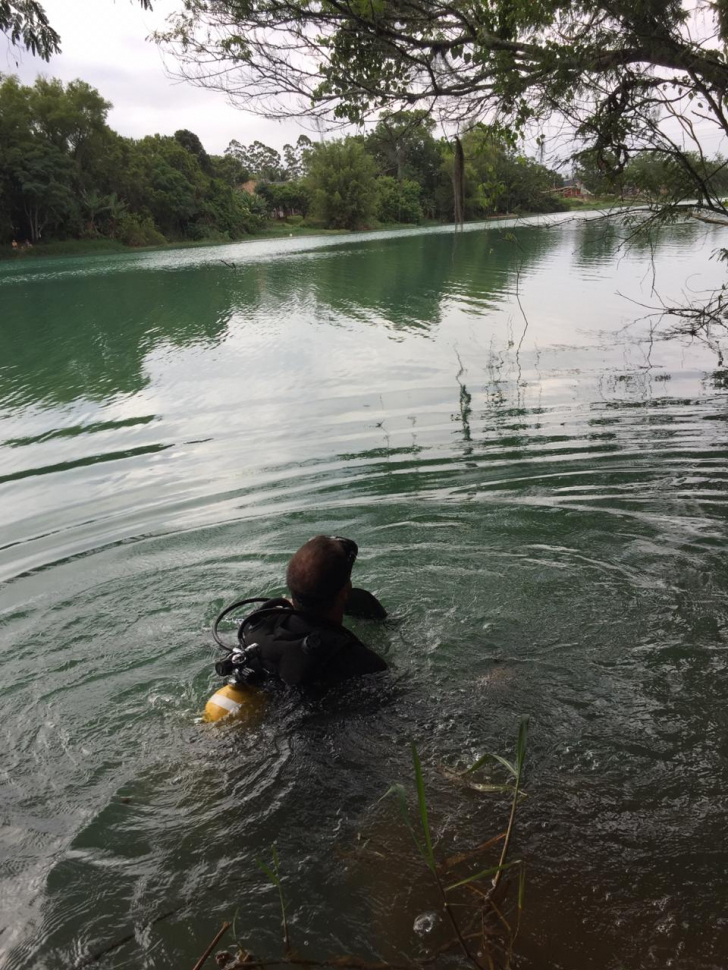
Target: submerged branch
348,962
218,936
711,219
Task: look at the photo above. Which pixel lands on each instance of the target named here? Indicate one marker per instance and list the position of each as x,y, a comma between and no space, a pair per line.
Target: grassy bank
587,205
274,230
100,247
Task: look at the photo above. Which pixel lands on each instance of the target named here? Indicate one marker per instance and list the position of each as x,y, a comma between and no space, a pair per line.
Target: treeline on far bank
66,175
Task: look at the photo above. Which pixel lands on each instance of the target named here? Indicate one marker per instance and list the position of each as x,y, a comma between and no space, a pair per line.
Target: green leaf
482,874
429,854
521,745
399,791
521,886
491,757
479,763
271,875
508,765
274,877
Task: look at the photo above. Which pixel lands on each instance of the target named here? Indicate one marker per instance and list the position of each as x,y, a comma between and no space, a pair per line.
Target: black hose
226,612
258,614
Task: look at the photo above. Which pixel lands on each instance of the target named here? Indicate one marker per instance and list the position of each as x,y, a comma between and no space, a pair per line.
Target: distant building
572,189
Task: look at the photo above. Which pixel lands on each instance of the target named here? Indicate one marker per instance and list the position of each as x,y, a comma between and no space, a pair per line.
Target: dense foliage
630,88
65,174
623,77
343,182
614,78
656,175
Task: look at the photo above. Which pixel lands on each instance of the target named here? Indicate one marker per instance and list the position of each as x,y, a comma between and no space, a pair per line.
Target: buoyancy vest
300,649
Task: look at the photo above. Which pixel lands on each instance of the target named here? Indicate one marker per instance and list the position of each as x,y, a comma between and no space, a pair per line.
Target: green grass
608,202
281,230
99,247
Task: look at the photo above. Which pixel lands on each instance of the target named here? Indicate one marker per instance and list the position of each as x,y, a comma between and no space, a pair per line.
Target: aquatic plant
274,876
485,892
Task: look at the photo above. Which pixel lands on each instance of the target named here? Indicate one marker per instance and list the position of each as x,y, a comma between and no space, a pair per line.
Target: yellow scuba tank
237,702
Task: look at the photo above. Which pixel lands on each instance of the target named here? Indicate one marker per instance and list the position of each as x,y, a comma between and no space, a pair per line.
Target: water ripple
540,503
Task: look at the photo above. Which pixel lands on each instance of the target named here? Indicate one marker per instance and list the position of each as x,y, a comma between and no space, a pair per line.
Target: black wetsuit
302,650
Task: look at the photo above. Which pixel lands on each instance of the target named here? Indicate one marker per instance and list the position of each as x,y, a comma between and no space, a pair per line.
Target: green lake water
537,483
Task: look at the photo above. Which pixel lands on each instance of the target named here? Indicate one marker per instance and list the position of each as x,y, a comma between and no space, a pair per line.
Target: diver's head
319,576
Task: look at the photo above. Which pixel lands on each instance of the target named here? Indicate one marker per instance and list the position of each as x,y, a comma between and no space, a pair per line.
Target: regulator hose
226,612
259,614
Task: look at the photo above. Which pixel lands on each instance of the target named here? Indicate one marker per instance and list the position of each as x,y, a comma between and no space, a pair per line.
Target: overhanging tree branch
26,24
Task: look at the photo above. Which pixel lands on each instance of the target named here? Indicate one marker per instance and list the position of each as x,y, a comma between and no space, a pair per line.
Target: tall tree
64,172
288,198
230,169
190,141
296,157
496,179
399,141
261,161
44,176
166,180
44,133
398,200
403,146
342,182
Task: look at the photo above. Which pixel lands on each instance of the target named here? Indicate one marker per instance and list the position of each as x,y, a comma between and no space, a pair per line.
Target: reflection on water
88,334
539,497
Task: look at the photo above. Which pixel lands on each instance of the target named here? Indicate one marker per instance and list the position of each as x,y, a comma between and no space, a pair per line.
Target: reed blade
422,802
491,757
483,873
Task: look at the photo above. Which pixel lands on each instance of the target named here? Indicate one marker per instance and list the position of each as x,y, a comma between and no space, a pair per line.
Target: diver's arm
370,662
364,605
354,660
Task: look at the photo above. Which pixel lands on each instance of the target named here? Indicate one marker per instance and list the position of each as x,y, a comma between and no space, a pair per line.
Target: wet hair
318,572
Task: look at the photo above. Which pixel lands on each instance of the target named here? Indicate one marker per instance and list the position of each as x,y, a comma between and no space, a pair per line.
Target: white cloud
104,42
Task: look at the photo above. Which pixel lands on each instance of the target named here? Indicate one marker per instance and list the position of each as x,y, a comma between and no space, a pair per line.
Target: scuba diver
298,642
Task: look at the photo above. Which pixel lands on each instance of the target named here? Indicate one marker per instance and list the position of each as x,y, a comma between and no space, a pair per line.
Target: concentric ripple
538,486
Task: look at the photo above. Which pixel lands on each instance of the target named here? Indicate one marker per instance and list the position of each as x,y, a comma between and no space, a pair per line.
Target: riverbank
607,204
100,247
277,230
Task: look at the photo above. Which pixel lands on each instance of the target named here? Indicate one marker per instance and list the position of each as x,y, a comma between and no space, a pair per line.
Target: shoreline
111,247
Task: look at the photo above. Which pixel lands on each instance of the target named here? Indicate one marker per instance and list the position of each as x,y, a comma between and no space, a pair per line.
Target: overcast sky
104,42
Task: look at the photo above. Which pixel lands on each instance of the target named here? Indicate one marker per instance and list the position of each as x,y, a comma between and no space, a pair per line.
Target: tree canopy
342,179
620,76
65,174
